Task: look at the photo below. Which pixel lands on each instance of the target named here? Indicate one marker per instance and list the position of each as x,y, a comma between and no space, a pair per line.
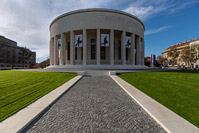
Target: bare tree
162,61
173,53
188,55
197,51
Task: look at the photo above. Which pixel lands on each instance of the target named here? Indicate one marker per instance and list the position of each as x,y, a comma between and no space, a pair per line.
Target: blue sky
167,22
179,26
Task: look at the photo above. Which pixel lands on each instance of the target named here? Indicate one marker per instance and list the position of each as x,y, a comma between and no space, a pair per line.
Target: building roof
186,43
97,10
7,41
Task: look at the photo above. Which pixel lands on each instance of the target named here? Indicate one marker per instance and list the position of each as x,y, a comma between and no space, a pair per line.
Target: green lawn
177,90
19,88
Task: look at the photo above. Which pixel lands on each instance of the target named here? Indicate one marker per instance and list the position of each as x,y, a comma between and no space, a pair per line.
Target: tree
162,61
188,55
173,53
197,51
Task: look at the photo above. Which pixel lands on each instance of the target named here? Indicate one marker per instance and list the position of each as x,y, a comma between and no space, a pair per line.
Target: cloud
145,9
141,12
27,21
183,6
153,31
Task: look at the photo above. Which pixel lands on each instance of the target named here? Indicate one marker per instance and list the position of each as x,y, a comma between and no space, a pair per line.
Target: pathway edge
170,121
20,120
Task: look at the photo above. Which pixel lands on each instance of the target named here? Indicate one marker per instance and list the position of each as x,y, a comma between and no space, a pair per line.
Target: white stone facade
92,25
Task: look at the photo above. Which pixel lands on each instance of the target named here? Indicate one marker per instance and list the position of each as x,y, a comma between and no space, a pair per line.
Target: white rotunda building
97,39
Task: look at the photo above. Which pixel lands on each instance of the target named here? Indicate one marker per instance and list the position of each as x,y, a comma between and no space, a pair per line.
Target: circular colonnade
97,38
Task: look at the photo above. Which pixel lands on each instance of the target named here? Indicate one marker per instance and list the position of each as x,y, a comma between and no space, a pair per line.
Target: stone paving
95,104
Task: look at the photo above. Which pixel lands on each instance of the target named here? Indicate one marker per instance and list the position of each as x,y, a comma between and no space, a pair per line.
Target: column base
100,67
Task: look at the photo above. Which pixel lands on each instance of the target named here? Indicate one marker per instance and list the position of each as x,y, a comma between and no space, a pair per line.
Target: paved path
95,104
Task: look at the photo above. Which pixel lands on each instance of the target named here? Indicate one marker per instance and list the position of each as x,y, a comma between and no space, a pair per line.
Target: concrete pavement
95,104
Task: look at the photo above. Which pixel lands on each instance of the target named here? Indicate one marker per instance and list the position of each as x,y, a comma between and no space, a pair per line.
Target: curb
170,121
19,121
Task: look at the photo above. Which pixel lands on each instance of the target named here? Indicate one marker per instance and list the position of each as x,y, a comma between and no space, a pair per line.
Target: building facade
13,56
179,61
97,38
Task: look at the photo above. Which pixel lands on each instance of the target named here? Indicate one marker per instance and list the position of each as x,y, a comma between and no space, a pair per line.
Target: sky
167,22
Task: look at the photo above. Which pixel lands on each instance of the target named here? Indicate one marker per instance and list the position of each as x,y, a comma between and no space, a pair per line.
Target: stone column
66,51
72,50
112,47
98,46
65,54
142,52
123,48
51,52
62,61
132,49
55,51
138,51
53,47
84,46
64,48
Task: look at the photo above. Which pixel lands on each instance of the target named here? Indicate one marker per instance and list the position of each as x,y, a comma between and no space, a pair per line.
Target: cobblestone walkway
95,104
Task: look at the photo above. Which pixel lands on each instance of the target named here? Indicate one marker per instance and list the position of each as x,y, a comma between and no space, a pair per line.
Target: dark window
127,53
93,48
119,49
103,51
82,53
75,53
68,50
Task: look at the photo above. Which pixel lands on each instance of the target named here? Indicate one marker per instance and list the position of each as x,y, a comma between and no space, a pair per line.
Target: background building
97,38
44,63
179,61
13,56
147,61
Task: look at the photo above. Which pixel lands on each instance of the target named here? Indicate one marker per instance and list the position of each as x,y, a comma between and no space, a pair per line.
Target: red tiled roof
183,44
